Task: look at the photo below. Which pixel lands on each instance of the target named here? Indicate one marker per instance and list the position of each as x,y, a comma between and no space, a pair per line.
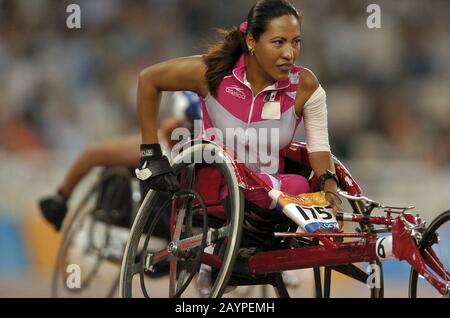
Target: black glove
155,171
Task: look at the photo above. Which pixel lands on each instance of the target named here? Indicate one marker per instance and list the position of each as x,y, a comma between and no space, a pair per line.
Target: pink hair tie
243,27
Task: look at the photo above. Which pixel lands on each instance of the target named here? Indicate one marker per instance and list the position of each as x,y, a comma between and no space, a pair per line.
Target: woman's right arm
182,74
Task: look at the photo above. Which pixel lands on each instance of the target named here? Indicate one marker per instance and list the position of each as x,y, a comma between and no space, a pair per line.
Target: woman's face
278,47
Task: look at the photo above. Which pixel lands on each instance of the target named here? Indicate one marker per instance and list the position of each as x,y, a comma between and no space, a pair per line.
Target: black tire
82,224
436,236
147,221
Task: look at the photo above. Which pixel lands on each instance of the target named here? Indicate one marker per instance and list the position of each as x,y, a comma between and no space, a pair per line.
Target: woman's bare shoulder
307,85
308,82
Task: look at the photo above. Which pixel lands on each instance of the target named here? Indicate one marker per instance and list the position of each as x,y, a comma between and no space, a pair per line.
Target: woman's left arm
311,104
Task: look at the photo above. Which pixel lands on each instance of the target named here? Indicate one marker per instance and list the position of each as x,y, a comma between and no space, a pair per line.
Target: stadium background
62,90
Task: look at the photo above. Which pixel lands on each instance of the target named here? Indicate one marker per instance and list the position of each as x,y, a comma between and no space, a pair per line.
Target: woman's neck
256,76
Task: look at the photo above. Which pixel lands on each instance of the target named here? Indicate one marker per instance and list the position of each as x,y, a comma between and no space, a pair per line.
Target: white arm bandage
315,121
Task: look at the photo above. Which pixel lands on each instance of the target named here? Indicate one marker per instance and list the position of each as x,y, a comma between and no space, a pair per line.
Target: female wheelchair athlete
251,247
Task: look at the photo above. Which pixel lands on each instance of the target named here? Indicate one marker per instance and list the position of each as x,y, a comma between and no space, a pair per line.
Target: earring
252,51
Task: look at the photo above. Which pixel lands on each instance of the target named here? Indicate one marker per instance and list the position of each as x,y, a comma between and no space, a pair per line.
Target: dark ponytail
222,57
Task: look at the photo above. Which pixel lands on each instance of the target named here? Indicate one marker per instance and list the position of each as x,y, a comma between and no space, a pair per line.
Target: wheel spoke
180,220
154,258
190,243
172,276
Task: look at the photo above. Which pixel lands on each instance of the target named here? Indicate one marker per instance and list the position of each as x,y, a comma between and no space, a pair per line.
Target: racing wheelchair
94,236
245,245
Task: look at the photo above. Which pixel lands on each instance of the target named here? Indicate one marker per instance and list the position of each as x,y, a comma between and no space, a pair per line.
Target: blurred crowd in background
61,89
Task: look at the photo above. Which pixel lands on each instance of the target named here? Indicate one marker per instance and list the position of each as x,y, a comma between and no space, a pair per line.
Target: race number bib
310,211
317,218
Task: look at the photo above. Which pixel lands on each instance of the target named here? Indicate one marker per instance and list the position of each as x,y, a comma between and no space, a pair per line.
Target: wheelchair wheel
88,260
192,228
435,242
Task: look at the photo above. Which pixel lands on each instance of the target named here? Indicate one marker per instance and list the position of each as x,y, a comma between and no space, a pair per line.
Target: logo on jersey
236,92
293,78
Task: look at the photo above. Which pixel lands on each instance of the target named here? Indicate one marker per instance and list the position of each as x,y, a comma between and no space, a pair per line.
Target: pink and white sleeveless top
255,128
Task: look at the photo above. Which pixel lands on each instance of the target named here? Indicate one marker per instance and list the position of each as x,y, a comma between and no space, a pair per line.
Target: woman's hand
321,162
332,197
155,171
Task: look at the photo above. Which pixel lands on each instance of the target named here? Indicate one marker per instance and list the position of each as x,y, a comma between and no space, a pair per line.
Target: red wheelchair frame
411,241
405,229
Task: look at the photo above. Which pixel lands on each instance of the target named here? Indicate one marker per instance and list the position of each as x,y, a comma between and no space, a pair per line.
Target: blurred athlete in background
120,151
